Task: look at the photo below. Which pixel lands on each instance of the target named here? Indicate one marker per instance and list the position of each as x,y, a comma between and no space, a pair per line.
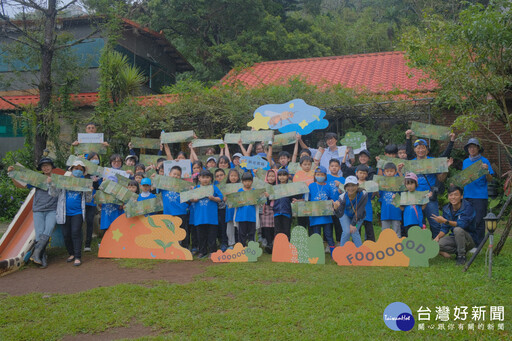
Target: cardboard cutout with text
152,237
300,249
389,250
239,254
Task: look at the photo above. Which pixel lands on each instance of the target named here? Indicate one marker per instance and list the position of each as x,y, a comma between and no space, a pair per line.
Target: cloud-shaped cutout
387,251
239,254
419,246
295,115
302,248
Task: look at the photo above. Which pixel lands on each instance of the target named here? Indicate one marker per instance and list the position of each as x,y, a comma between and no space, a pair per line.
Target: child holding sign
391,216
246,215
413,214
206,217
231,226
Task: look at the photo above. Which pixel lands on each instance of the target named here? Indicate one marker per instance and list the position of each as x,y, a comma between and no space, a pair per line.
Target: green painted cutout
353,140
419,246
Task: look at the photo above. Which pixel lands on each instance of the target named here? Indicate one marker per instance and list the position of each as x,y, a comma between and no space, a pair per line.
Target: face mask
77,173
145,194
95,161
320,178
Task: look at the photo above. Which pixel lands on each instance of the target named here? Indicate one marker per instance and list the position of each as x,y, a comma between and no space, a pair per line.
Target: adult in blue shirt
457,226
429,182
476,191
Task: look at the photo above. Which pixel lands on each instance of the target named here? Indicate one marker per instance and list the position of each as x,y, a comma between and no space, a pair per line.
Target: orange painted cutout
301,248
239,254
387,251
152,237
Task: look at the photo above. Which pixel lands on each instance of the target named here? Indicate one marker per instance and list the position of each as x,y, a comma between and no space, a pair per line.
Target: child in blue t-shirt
222,236
283,207
173,206
206,216
246,215
231,226
391,216
413,214
318,191
362,174
334,181
145,193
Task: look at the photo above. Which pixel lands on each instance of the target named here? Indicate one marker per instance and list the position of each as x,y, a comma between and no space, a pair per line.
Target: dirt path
63,278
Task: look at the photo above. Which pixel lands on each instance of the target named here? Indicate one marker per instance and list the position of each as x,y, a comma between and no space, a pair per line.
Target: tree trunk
504,236
45,81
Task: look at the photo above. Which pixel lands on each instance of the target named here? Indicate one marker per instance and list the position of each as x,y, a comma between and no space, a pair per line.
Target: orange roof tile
374,72
79,100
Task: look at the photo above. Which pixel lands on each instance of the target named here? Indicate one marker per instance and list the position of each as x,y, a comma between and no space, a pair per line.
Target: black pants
480,206
184,225
72,233
194,236
337,228
247,231
207,238
282,224
268,234
222,234
303,221
368,231
90,213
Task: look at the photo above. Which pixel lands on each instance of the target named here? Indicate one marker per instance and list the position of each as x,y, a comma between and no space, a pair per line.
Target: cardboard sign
468,175
288,190
121,180
428,166
293,167
141,142
232,138
369,186
414,198
22,174
390,183
90,138
147,160
254,162
251,136
430,131
134,208
285,139
112,172
353,140
386,159
185,165
204,158
103,198
171,184
86,148
70,183
120,192
390,250
239,254
207,143
295,115
229,188
152,237
177,137
300,249
312,208
245,198
197,193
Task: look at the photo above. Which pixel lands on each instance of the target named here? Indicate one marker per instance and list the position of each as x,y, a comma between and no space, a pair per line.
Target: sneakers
223,248
87,249
461,260
473,250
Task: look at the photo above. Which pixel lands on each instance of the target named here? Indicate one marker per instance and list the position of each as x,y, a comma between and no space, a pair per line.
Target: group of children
210,224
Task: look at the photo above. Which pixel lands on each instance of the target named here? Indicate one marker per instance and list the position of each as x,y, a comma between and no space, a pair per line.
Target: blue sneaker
223,248
194,251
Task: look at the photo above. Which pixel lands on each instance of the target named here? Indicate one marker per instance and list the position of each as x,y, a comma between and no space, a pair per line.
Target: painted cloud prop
239,254
294,115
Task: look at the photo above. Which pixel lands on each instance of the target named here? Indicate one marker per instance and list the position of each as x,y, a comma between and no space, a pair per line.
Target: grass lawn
266,300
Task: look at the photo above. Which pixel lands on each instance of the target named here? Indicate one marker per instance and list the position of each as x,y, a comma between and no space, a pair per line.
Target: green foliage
11,199
471,60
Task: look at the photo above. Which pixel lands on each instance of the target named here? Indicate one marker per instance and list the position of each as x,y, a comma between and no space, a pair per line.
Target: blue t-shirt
246,213
150,196
319,192
352,204
478,188
205,211
423,184
230,213
335,194
73,203
172,204
369,208
413,215
387,210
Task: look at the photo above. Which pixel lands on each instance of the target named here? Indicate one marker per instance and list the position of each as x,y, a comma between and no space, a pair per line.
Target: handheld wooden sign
229,188
207,143
468,175
353,140
90,138
86,148
288,190
22,174
390,183
152,237
168,183
197,193
232,138
430,131
134,208
369,186
428,166
147,160
70,183
251,136
245,198
312,208
285,139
